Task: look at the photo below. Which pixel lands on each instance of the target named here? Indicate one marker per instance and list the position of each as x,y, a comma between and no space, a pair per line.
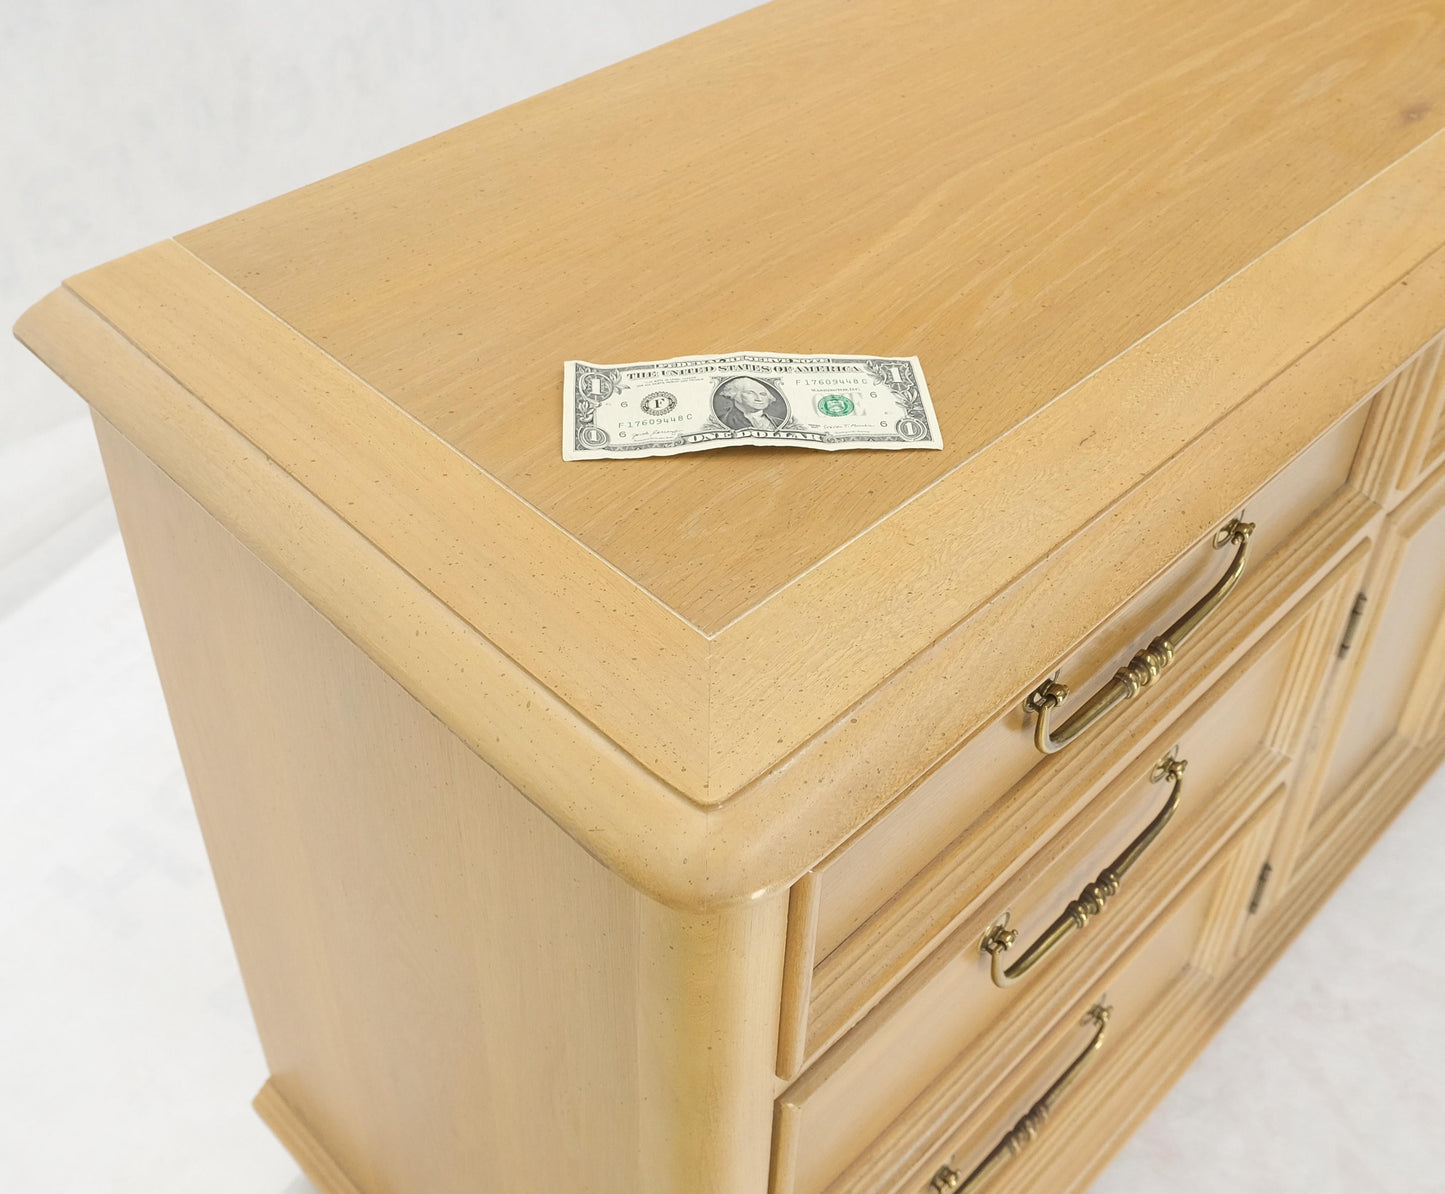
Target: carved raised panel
1405,437
1387,696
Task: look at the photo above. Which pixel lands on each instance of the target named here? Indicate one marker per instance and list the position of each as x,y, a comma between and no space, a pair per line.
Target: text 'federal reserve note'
690,404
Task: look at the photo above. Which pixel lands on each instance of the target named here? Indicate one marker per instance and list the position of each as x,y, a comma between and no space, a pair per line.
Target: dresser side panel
451,993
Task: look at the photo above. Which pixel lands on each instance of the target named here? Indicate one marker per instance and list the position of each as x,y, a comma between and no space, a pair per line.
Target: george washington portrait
744,402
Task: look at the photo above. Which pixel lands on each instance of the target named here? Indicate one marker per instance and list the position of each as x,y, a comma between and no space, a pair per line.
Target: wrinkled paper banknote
689,404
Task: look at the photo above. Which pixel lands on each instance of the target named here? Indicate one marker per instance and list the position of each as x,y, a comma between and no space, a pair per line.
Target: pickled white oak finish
1373,255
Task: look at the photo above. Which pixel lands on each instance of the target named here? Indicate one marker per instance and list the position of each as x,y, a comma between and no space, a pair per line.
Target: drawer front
1020,859
1238,739
862,875
962,1120
1126,996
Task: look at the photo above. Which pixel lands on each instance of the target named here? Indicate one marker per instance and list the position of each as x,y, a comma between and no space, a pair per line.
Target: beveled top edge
710,717
771,829
671,849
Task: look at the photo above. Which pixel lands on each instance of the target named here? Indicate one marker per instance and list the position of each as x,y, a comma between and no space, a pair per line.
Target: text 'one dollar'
690,404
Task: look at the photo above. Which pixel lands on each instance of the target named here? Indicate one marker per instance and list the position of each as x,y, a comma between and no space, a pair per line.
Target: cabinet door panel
1399,678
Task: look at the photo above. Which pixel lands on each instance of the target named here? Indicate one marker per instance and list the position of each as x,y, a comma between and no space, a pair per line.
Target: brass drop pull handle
1146,666
950,1181
1000,938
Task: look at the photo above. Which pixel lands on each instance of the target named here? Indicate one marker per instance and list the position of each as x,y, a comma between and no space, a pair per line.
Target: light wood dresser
776,822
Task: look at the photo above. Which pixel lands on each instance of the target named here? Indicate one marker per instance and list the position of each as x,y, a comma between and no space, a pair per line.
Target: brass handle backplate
950,1181
1147,665
1000,938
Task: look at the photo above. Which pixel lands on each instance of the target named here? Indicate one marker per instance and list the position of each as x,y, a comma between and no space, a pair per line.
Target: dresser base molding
294,1133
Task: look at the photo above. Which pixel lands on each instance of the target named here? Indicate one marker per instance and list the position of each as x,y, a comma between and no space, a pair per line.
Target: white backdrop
126,1049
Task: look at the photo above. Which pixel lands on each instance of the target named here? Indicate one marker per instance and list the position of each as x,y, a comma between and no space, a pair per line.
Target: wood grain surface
707,714
1183,337
779,825
1015,193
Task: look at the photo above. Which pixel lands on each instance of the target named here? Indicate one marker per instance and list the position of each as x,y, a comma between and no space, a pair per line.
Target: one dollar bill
690,404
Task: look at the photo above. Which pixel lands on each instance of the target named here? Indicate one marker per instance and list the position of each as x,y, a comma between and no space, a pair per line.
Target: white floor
127,1054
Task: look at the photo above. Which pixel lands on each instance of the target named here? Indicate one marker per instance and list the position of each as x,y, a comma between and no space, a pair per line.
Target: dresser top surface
1016,194
1109,233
